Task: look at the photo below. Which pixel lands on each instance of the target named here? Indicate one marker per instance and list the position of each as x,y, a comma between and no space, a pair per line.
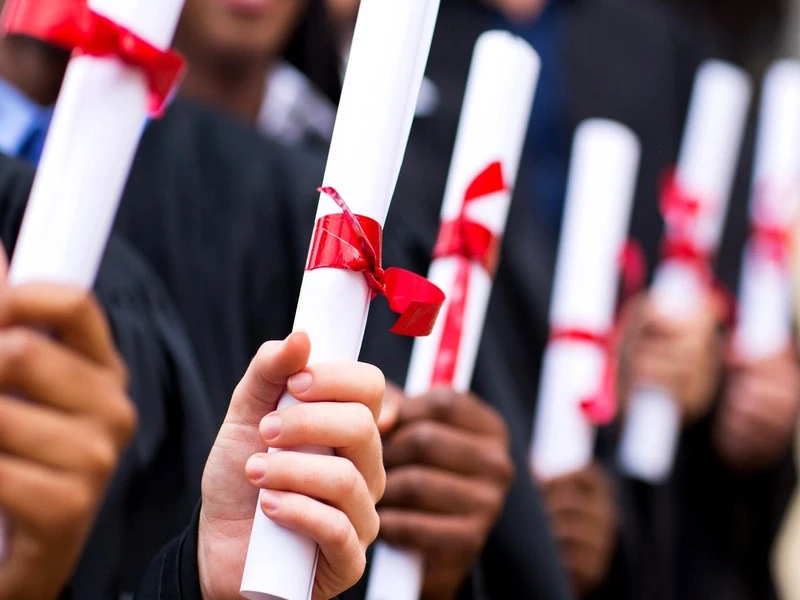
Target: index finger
464,411
71,315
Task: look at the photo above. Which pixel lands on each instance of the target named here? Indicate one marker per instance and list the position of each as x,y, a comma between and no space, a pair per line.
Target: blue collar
23,123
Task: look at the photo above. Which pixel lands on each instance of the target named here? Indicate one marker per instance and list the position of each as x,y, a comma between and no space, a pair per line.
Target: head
237,32
518,10
244,35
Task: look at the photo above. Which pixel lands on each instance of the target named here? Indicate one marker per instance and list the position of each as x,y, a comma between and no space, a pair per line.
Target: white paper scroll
87,156
602,181
764,321
706,169
390,47
494,122
89,150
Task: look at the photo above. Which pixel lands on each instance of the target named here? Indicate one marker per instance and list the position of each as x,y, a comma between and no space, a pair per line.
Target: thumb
264,383
390,411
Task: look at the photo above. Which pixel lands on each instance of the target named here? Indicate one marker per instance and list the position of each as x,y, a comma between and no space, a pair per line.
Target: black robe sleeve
157,484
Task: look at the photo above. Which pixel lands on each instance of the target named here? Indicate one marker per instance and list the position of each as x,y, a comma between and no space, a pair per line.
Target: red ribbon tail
601,408
415,299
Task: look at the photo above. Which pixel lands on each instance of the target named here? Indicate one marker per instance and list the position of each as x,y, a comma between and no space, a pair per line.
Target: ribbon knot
72,25
681,211
600,406
354,243
470,242
772,242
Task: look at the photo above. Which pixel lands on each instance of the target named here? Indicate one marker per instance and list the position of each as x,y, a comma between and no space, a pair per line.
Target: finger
330,479
563,503
579,533
40,500
393,398
445,447
264,382
42,436
464,411
426,532
345,381
46,372
423,489
70,314
349,428
327,526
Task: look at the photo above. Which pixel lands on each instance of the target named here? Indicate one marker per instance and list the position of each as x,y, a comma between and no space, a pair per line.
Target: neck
238,90
34,68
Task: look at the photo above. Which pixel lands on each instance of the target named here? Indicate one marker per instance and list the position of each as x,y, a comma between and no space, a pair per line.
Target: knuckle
408,485
364,422
341,531
373,527
377,385
420,440
77,502
101,460
349,480
17,347
443,403
122,419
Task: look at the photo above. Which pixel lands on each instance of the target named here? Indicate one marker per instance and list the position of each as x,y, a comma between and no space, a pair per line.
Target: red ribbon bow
599,407
469,242
354,243
71,24
681,211
769,236
772,242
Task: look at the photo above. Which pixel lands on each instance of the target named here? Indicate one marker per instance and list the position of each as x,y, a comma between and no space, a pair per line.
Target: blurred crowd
206,264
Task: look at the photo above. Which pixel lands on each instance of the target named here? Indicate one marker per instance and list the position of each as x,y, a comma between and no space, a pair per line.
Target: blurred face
237,30
518,10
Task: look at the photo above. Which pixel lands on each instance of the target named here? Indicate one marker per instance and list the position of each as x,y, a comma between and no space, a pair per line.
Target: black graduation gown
157,484
635,63
234,267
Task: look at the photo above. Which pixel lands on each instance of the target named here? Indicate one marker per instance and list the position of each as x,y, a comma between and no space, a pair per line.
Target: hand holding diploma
448,473
762,393
344,271
694,202
578,370
486,158
75,388
121,71
329,499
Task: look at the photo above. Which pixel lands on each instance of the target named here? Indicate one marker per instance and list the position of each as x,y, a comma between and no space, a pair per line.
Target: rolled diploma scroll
602,181
764,321
391,41
706,168
87,157
88,154
494,121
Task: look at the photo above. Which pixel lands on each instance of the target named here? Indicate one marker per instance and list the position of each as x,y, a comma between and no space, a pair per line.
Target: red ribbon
354,243
769,237
772,242
681,211
469,242
600,406
72,25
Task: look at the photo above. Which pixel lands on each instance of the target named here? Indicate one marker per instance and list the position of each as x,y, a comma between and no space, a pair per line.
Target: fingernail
270,502
300,383
256,467
270,427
